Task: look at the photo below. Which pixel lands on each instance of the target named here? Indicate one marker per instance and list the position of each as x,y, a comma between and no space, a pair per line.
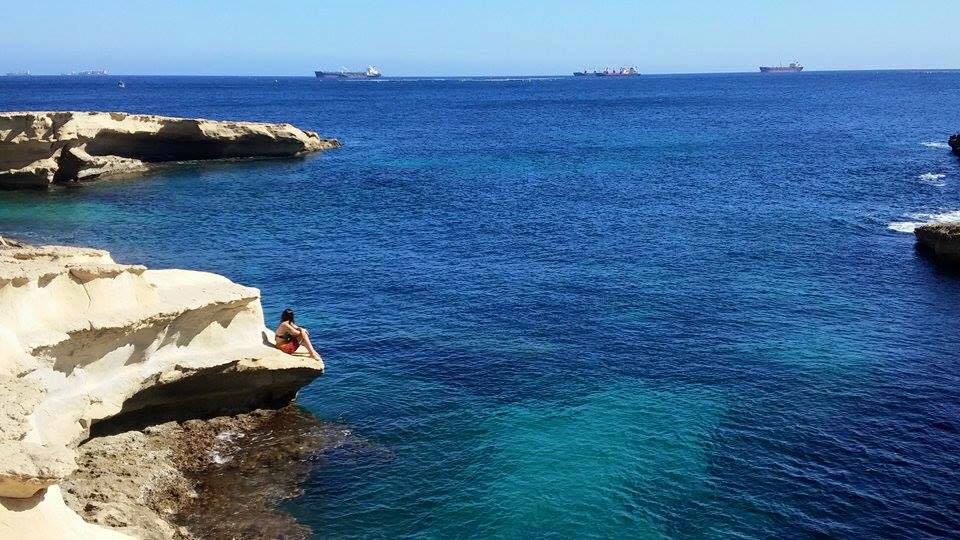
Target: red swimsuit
288,346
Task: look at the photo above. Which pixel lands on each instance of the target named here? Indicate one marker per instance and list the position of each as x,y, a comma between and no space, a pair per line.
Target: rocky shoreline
941,240
92,347
38,149
216,478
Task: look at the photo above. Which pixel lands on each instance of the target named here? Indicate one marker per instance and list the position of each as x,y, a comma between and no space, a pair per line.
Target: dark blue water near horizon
666,307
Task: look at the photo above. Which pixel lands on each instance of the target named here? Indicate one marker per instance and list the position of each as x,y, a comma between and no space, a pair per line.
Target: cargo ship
629,71
371,73
86,73
793,67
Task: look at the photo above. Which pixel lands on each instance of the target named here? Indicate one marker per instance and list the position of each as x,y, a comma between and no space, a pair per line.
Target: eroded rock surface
86,342
942,240
39,148
218,478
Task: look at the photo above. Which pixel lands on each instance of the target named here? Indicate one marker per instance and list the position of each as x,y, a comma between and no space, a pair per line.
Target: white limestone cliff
86,342
40,148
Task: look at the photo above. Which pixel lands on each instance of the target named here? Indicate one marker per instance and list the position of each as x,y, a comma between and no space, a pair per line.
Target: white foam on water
935,144
904,226
226,435
218,458
922,219
935,179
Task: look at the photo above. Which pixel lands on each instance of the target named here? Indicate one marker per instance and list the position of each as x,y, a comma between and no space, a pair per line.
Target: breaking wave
935,179
935,144
917,220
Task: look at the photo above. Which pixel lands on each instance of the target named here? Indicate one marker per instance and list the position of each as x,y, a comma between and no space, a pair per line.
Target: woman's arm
295,329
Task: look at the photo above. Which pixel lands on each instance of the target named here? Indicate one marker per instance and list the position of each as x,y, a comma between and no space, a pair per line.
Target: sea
669,306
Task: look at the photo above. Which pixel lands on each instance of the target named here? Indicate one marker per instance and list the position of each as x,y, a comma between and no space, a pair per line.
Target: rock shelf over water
41,148
91,346
941,239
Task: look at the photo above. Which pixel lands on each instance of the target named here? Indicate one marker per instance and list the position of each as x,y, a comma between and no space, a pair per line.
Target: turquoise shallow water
669,307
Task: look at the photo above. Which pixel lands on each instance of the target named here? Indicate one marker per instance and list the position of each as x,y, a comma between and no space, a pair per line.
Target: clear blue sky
473,38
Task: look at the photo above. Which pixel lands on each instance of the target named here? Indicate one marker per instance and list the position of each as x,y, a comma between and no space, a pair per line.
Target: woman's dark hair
287,315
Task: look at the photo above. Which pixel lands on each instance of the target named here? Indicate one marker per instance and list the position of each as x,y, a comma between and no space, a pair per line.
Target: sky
490,37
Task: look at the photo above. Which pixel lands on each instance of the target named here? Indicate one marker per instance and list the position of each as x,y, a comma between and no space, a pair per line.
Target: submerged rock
89,345
942,240
954,143
218,478
40,148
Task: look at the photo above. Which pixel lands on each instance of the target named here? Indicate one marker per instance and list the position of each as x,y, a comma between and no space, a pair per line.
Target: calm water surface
668,307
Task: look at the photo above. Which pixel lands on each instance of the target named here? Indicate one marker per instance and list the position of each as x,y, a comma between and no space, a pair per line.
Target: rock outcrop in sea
91,346
41,148
954,143
942,240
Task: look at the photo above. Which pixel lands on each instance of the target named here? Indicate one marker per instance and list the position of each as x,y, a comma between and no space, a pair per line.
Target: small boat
121,85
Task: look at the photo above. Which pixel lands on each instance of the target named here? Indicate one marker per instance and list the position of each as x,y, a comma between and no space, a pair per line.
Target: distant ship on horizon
626,71
793,67
371,73
87,73
25,73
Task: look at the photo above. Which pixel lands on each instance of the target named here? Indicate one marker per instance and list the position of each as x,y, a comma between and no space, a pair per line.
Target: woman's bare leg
305,341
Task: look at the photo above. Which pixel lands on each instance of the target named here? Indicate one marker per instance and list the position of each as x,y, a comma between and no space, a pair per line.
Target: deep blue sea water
667,307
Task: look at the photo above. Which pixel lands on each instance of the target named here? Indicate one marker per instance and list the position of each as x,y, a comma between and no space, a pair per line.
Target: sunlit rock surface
89,344
40,148
942,240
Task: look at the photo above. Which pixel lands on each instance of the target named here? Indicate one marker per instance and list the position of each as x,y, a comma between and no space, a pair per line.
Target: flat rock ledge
92,347
954,143
38,149
942,240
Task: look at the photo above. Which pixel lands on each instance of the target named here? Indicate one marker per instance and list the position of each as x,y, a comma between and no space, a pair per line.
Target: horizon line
15,74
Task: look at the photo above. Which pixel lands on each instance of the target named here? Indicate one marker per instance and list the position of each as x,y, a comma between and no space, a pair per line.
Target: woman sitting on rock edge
289,336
